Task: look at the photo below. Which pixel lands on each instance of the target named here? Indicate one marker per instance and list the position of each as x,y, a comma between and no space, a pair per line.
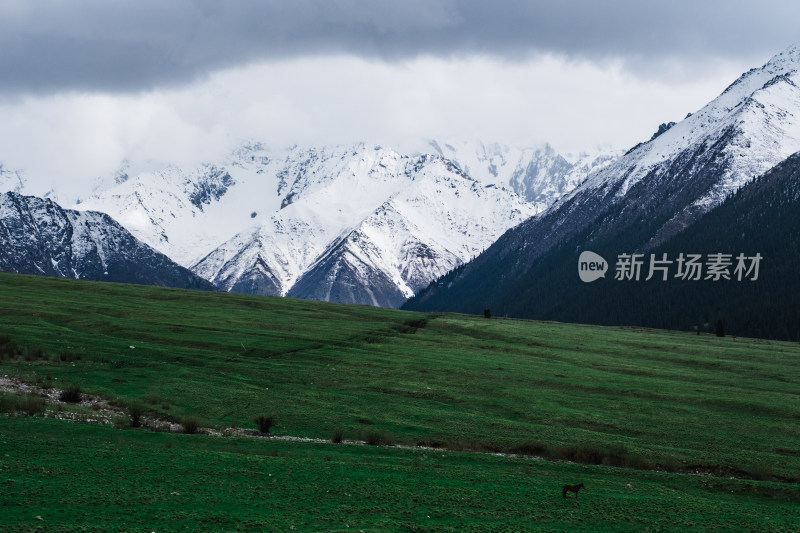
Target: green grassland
82,477
667,403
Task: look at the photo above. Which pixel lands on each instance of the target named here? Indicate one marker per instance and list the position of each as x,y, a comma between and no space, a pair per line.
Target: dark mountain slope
512,275
642,200
37,236
762,218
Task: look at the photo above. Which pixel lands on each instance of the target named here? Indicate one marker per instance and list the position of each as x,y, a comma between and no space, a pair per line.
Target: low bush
29,404
34,353
264,424
152,398
8,348
469,445
411,326
135,412
337,435
32,405
7,404
761,472
614,455
190,424
529,448
377,437
68,356
71,394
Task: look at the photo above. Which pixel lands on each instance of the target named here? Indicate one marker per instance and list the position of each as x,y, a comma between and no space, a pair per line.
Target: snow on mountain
263,220
538,174
189,214
752,126
37,236
350,206
10,180
167,209
321,194
652,193
441,220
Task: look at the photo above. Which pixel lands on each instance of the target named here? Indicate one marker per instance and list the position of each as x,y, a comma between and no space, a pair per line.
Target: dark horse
571,488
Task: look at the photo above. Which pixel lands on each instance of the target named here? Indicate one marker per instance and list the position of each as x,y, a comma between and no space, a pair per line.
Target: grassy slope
662,396
81,477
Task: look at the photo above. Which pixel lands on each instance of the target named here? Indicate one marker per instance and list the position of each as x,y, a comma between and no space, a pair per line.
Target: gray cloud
52,46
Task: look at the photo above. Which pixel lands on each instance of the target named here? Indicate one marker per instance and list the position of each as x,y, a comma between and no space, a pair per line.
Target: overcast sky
86,83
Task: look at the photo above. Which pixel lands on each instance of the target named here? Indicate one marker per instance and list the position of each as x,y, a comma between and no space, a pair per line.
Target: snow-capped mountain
37,236
653,192
360,223
10,180
443,218
748,129
539,174
367,220
167,209
317,195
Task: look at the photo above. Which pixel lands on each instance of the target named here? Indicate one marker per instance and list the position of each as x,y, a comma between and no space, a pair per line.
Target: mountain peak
758,116
262,218
787,58
40,237
10,180
642,200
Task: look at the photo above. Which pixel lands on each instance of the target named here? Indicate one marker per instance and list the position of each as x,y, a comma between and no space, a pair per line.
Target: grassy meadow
668,430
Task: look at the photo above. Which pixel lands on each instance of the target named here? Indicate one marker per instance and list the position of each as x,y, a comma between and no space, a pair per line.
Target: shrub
761,472
121,422
670,464
337,435
67,356
8,347
71,394
588,455
411,326
135,411
190,424
464,445
152,398
264,423
7,404
34,353
528,448
614,455
30,404
377,437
